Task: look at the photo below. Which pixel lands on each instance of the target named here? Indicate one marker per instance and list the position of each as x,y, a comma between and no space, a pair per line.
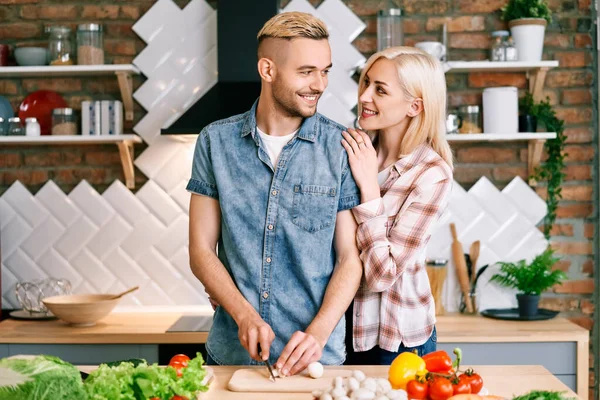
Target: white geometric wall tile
22,202
9,300
151,294
181,195
89,201
125,203
17,231
23,267
76,237
43,236
144,236
153,21
93,271
109,237
6,214
154,158
343,19
159,203
51,260
58,204
174,238
159,269
174,171
526,199
181,260
499,222
125,269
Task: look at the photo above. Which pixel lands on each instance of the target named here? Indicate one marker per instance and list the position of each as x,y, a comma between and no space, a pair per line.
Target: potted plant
530,280
528,112
527,20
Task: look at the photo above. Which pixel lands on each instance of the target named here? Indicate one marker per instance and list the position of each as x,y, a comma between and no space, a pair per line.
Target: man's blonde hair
291,25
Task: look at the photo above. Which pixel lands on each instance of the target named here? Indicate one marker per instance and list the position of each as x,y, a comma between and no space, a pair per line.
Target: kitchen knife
271,374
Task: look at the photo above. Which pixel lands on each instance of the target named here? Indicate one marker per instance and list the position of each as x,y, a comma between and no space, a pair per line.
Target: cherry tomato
440,389
178,368
177,397
461,386
474,380
180,358
417,390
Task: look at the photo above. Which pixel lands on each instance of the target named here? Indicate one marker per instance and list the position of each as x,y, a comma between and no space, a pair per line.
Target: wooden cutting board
257,380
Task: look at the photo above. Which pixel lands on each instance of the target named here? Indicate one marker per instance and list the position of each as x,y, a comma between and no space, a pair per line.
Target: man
274,189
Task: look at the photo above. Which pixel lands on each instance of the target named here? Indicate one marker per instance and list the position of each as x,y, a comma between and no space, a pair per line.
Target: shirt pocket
313,207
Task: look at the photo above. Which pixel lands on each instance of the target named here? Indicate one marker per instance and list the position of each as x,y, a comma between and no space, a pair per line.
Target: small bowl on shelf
31,56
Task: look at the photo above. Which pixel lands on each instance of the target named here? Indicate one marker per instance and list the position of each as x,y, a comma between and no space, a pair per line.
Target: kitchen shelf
124,143
123,72
536,71
535,144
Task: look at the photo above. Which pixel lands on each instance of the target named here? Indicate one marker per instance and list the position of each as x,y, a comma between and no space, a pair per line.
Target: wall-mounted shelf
123,72
536,71
535,144
124,143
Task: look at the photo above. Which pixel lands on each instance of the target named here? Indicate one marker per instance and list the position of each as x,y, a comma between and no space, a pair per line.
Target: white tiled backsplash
109,242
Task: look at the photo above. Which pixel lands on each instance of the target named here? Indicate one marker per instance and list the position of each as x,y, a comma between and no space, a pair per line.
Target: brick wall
469,23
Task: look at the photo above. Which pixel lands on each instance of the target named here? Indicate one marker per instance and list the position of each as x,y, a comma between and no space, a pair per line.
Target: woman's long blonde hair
421,76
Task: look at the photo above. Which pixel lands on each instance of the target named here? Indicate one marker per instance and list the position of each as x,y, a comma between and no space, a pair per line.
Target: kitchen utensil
30,294
437,275
39,105
31,56
436,49
268,365
254,380
474,254
81,310
118,296
29,316
512,314
461,268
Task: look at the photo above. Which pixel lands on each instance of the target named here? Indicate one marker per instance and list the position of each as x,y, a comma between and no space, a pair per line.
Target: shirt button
268,259
265,295
358,314
274,192
270,227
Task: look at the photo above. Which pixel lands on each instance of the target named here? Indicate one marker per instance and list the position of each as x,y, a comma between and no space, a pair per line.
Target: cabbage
39,378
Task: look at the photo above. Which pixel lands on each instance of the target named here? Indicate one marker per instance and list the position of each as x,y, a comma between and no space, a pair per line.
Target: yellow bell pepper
404,368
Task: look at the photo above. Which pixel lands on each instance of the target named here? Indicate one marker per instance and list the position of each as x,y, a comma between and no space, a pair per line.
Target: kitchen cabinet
559,345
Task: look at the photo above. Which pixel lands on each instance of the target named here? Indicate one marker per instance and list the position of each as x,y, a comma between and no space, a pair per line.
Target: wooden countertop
151,328
506,381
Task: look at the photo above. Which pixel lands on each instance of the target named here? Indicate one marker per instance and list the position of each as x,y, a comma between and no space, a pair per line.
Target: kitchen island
559,345
506,381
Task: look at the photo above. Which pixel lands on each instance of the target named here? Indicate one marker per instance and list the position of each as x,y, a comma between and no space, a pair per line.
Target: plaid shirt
394,303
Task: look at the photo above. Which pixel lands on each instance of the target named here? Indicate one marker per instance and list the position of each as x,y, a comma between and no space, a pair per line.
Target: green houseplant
530,279
527,20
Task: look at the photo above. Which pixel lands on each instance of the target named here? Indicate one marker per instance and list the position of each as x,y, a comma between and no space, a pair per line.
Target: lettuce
39,378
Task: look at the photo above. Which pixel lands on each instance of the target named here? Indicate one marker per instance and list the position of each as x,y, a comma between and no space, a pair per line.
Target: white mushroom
370,384
326,396
363,394
338,392
383,385
359,375
315,370
353,384
317,393
338,382
398,394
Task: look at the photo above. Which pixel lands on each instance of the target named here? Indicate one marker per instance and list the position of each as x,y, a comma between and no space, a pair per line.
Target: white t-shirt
274,144
383,175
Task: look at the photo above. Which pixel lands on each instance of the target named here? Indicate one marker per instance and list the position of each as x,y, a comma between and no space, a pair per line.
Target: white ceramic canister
501,110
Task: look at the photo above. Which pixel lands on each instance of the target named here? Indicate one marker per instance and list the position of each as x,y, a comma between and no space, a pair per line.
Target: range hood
238,86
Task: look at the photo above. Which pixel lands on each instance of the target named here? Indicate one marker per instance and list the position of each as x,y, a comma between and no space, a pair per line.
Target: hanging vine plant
552,169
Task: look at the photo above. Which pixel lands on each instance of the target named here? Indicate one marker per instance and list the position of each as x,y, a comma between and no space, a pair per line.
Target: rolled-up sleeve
202,180
349,193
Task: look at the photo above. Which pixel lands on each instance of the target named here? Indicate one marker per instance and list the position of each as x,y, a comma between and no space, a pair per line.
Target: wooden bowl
82,309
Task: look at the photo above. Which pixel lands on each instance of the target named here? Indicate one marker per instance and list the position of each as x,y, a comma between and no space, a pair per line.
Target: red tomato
178,368
417,390
177,397
461,386
440,389
474,379
180,358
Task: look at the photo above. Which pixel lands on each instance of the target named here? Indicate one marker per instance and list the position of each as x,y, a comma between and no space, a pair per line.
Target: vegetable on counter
438,361
404,368
543,395
39,378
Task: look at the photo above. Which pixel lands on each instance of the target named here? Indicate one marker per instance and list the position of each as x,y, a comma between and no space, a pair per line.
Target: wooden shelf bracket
126,86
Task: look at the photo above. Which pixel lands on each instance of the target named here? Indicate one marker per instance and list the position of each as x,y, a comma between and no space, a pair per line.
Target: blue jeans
377,355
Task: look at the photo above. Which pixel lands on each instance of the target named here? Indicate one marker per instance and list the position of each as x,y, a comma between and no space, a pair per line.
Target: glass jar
510,50
497,52
60,48
389,28
32,127
90,44
63,122
471,119
15,127
2,127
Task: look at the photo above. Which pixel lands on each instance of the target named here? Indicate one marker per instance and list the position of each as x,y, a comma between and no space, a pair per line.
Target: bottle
32,127
498,52
511,50
15,128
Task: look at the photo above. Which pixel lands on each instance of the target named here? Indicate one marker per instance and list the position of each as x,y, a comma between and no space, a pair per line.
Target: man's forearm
207,267
339,294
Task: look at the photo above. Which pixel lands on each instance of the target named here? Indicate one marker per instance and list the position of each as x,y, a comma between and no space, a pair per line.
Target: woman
403,167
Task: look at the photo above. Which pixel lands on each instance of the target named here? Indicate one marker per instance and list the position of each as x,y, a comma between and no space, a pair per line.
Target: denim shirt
277,225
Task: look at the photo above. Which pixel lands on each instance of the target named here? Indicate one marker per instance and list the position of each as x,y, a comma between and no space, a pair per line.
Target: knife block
437,276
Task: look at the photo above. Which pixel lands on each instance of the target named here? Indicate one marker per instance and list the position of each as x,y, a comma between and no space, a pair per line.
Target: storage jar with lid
63,122
471,119
15,127
90,44
2,127
498,52
32,127
60,47
390,32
